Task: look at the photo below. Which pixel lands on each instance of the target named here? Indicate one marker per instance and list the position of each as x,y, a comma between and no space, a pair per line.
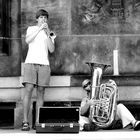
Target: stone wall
85,33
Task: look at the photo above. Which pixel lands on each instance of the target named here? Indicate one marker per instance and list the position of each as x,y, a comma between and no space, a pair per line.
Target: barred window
5,27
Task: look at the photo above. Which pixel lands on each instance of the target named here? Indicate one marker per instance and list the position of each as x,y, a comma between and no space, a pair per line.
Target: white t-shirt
38,49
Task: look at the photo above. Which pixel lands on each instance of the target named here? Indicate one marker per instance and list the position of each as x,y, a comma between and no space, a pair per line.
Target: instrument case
58,120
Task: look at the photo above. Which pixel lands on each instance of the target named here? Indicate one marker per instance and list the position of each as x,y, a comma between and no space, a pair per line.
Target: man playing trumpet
37,71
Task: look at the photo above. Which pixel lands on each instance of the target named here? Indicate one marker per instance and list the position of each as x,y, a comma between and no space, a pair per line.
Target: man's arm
85,105
30,37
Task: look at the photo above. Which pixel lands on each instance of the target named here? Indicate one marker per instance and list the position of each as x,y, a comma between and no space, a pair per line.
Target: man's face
42,19
87,87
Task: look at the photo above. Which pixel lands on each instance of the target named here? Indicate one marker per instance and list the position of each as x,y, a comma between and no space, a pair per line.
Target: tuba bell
103,110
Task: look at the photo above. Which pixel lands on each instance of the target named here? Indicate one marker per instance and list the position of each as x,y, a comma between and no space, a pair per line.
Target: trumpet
49,33
47,30
52,34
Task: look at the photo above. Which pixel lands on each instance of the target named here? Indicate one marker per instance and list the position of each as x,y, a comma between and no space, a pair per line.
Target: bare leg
83,120
27,101
40,101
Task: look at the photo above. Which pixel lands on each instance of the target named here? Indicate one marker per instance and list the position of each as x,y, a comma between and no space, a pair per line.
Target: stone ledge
126,93
71,81
16,82
9,82
121,80
10,95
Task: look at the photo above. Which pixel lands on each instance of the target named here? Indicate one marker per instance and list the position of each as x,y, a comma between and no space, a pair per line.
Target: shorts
36,74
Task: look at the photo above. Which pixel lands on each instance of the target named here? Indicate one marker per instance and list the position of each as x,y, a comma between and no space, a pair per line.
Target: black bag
116,124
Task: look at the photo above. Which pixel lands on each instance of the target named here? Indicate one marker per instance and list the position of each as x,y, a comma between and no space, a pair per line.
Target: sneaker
25,126
137,126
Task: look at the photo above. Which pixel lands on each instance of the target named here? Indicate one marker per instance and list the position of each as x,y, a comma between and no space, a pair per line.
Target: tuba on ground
103,110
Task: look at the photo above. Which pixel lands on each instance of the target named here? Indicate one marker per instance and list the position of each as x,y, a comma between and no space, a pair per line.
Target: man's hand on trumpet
45,27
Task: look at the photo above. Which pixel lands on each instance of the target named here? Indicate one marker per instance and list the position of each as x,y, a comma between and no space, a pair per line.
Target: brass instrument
52,33
48,31
102,112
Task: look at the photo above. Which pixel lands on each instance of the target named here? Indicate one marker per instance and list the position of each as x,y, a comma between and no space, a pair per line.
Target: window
5,27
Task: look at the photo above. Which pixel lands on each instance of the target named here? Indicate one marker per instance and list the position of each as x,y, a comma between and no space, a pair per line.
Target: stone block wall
89,31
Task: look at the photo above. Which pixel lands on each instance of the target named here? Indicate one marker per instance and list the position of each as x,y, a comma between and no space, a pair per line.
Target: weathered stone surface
79,41
10,64
129,52
75,51
87,18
